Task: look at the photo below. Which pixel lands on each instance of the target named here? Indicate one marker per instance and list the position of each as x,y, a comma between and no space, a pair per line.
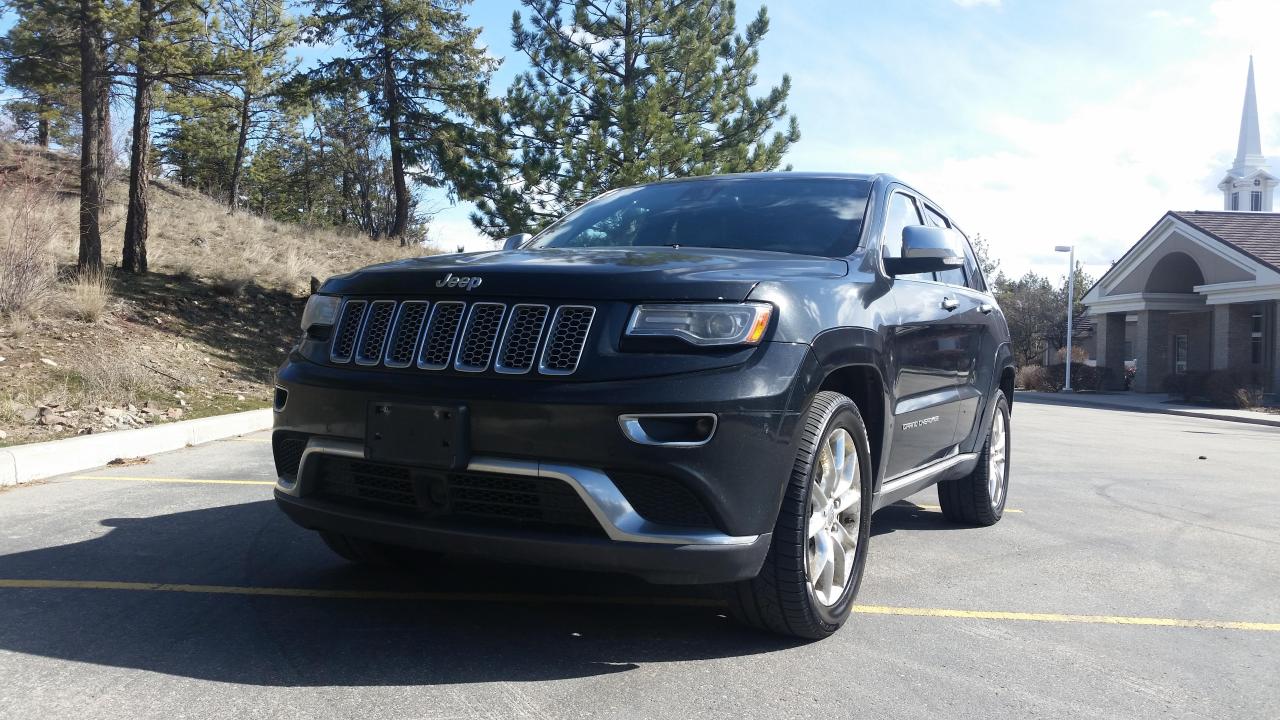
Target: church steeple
1249,185
1249,150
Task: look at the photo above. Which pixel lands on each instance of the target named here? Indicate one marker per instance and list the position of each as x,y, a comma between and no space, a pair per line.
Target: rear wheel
814,566
979,497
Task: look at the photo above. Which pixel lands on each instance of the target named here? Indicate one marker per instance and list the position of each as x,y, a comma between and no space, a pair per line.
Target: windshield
807,216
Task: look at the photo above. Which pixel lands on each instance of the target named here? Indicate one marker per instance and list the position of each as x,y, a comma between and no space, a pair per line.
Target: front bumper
569,431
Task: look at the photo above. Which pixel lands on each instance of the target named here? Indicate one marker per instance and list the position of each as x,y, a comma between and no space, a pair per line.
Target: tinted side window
951,277
934,218
900,213
972,270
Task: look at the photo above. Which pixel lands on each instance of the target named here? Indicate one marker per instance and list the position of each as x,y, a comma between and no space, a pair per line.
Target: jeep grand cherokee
714,380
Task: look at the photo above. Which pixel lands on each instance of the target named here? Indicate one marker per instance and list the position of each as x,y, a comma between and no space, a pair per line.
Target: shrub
1054,377
28,224
1221,388
1032,377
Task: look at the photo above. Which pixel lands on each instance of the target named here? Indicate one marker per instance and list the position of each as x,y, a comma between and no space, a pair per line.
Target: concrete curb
1086,402
37,461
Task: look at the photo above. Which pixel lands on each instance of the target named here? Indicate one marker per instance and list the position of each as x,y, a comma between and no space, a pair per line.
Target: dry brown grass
191,234
214,317
88,296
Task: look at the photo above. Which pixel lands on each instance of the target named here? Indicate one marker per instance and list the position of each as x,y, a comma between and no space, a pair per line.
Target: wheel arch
864,386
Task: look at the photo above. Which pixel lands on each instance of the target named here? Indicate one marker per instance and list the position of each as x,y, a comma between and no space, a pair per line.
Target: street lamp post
1071,304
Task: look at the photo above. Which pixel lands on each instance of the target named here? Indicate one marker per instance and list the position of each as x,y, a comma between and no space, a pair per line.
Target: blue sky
1035,123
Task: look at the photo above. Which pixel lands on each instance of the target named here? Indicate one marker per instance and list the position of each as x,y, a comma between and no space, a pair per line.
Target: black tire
968,500
780,598
361,551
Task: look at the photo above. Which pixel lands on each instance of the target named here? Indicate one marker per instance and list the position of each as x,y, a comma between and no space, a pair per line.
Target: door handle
949,304
986,308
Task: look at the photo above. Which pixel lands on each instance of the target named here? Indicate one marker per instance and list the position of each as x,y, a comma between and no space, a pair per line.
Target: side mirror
926,249
516,241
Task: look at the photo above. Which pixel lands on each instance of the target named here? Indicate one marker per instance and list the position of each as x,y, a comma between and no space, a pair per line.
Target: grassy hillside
200,335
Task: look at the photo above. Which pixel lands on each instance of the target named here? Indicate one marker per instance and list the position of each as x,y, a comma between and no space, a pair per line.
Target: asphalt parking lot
1135,579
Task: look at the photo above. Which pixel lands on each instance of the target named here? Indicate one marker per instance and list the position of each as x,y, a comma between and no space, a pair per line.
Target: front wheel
979,497
813,569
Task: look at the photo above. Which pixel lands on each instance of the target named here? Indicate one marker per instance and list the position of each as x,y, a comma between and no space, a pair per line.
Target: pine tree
628,91
256,36
40,61
418,66
170,43
95,132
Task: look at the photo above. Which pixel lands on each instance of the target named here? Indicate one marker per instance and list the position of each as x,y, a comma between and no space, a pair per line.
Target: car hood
587,273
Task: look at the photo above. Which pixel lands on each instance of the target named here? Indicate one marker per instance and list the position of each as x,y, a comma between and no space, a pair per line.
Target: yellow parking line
320,593
247,439
1059,618
134,478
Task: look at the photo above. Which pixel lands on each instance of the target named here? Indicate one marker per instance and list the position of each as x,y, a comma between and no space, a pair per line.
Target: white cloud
976,3
1102,172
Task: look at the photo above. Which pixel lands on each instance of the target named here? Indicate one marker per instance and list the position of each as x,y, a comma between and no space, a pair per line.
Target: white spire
1249,151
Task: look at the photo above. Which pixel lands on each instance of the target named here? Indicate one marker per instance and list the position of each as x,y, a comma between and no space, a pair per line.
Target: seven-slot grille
469,338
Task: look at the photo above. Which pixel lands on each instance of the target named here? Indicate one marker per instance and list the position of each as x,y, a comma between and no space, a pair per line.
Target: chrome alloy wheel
997,458
835,517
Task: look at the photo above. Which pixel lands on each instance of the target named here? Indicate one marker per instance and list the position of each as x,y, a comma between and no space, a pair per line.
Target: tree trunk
400,224
42,122
134,257
92,182
233,197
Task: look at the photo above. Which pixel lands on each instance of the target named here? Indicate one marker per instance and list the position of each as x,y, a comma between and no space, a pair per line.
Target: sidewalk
1146,402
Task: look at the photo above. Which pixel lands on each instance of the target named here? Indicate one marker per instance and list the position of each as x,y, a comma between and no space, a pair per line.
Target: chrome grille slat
374,331
519,346
464,337
567,339
441,335
405,333
347,330
479,336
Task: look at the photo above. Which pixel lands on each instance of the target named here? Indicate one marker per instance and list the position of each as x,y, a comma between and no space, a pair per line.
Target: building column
1108,331
1231,327
1275,350
1151,345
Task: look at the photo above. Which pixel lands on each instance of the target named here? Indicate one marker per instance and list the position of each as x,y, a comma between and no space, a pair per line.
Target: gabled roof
1256,234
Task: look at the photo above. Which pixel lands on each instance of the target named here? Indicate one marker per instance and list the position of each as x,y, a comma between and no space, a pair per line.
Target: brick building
1200,290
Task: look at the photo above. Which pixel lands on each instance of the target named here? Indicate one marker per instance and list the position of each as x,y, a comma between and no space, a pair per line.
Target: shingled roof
1255,234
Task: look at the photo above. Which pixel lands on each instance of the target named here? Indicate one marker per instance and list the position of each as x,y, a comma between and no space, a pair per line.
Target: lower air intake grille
663,500
460,499
287,449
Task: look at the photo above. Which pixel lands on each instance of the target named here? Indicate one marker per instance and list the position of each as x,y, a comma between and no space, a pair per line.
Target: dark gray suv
715,380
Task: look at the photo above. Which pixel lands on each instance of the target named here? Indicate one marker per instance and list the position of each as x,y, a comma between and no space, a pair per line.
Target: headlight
320,310
703,324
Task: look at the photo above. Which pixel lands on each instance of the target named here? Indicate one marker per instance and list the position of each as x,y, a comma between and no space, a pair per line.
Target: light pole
1071,304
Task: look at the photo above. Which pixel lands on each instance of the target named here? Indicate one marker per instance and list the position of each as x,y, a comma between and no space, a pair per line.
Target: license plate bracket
435,436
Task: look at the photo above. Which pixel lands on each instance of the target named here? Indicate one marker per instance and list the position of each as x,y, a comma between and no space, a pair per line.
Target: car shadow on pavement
905,516
318,641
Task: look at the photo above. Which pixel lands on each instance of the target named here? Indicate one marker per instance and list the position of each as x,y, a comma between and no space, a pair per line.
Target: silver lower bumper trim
602,497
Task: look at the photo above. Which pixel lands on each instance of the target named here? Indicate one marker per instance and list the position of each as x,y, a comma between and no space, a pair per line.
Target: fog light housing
682,430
